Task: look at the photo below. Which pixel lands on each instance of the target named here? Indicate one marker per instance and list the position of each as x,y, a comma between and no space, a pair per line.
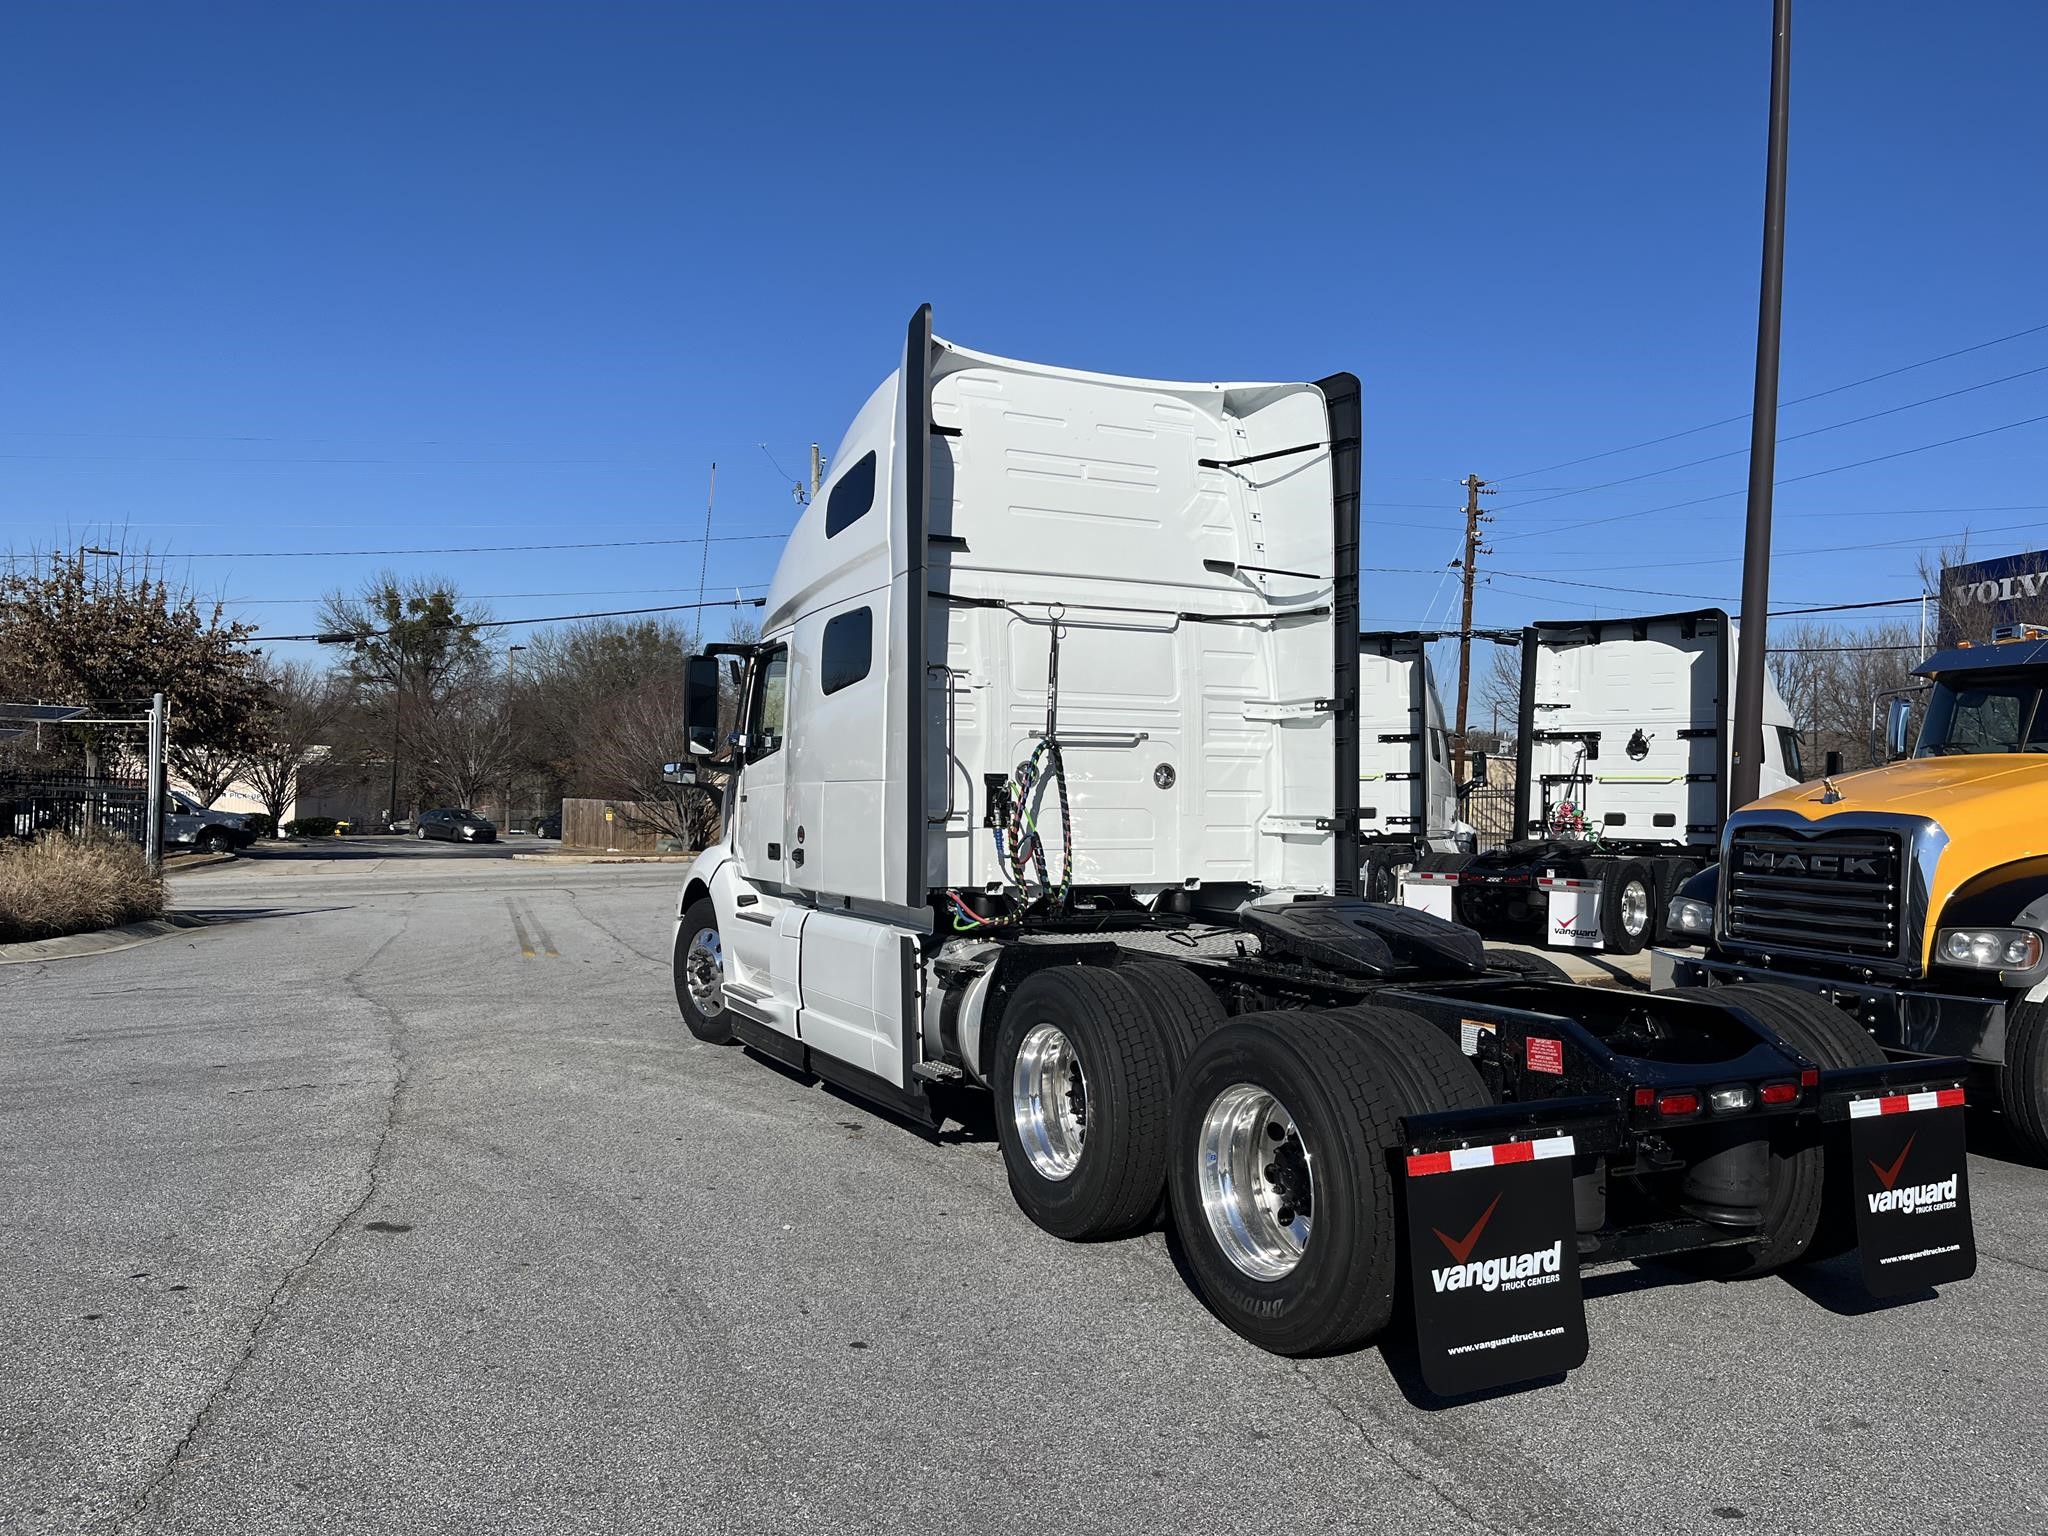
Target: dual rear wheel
1269,1134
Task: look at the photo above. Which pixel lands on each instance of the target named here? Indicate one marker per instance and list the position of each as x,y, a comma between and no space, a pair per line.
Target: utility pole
1474,488
817,471
1746,768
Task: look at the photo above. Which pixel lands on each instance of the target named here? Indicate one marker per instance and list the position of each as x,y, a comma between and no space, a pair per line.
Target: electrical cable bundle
1020,845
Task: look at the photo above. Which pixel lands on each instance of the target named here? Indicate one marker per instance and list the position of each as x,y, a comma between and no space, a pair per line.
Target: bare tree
297,725
1834,679
630,739
463,736
209,767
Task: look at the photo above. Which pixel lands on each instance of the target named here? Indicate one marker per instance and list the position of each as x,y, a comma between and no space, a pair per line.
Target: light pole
511,698
1746,769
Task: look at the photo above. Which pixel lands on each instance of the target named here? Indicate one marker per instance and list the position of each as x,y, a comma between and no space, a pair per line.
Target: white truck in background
1621,781
1045,786
1409,797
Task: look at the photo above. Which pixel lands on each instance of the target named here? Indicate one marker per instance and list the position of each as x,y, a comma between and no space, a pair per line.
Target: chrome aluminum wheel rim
704,973
1258,1190
1049,1101
1635,908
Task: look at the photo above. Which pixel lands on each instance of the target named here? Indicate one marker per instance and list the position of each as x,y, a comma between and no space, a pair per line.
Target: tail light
1778,1093
1672,1105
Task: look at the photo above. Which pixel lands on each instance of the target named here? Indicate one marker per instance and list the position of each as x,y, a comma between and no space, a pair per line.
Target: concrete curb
178,863
72,946
606,858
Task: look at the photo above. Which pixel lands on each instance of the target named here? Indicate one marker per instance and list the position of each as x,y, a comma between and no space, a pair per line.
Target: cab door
758,811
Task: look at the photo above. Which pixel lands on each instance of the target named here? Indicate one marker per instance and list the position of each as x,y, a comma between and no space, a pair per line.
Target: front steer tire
1339,1292
1808,1211
1115,1115
2023,1079
713,1027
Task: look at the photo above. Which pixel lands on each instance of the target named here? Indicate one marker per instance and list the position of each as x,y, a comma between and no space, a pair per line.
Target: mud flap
1493,1264
1912,1180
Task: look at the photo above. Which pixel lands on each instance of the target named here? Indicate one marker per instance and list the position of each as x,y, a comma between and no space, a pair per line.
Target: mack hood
1989,804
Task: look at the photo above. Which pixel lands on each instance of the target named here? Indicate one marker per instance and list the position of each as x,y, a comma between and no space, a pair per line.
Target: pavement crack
280,1296
1385,1439
577,907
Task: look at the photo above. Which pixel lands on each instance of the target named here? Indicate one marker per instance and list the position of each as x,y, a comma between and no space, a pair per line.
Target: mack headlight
1989,949
1691,916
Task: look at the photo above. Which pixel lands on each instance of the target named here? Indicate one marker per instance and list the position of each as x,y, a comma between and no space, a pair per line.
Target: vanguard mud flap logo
1912,1191
1494,1264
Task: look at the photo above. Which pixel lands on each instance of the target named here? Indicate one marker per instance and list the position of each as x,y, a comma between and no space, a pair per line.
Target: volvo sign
2011,589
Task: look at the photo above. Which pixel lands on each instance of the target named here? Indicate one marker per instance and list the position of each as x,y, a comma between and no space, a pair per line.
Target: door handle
796,857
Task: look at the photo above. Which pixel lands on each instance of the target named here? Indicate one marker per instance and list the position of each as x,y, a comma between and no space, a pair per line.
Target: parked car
549,825
455,826
188,824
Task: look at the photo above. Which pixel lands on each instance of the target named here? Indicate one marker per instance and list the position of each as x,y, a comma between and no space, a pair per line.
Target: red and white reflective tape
1559,883
1420,1163
1429,877
1906,1103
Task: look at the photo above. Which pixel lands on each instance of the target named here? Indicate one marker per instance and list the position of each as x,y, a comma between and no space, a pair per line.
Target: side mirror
679,773
1896,718
700,705
1478,767
1831,764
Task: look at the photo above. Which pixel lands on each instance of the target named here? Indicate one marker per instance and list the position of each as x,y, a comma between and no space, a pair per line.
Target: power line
252,602
1837,389
1836,426
1814,474
472,549
333,636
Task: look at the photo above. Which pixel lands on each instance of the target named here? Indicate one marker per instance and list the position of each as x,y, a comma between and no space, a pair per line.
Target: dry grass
57,885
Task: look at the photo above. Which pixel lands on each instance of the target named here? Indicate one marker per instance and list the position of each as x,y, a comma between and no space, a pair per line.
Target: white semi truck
1045,786
1408,798
1621,781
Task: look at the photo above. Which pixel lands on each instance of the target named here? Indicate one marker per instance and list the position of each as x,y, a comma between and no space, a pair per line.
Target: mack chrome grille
1834,891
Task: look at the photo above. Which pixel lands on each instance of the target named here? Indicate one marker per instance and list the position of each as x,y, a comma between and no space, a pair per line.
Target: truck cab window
849,649
1436,745
771,688
851,496
1788,746
1988,716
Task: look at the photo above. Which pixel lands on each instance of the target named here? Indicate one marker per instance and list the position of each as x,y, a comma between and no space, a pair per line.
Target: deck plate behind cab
1360,938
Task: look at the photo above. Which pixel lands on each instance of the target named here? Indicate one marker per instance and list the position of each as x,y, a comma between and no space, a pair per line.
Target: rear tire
1325,1281
699,966
1083,1079
1628,908
1183,1009
1807,1210
422,831
2023,1080
1514,962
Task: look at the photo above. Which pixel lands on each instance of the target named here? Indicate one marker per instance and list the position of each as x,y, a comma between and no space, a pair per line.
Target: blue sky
381,276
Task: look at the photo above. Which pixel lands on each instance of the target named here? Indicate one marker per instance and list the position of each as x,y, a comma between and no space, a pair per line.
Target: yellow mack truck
1914,896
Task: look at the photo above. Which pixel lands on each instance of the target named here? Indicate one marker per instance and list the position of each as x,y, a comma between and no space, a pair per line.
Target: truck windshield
1984,715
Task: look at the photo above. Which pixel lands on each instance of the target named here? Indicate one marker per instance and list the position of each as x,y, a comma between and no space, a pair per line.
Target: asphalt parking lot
401,1202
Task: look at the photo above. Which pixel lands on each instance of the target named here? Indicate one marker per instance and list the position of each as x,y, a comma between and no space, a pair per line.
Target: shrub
310,826
60,884
262,823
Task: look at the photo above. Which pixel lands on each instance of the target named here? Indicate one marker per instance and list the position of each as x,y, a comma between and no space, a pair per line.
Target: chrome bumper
1912,1023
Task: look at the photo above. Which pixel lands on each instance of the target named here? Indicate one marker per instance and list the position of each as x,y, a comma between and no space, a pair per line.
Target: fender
702,869
2011,895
